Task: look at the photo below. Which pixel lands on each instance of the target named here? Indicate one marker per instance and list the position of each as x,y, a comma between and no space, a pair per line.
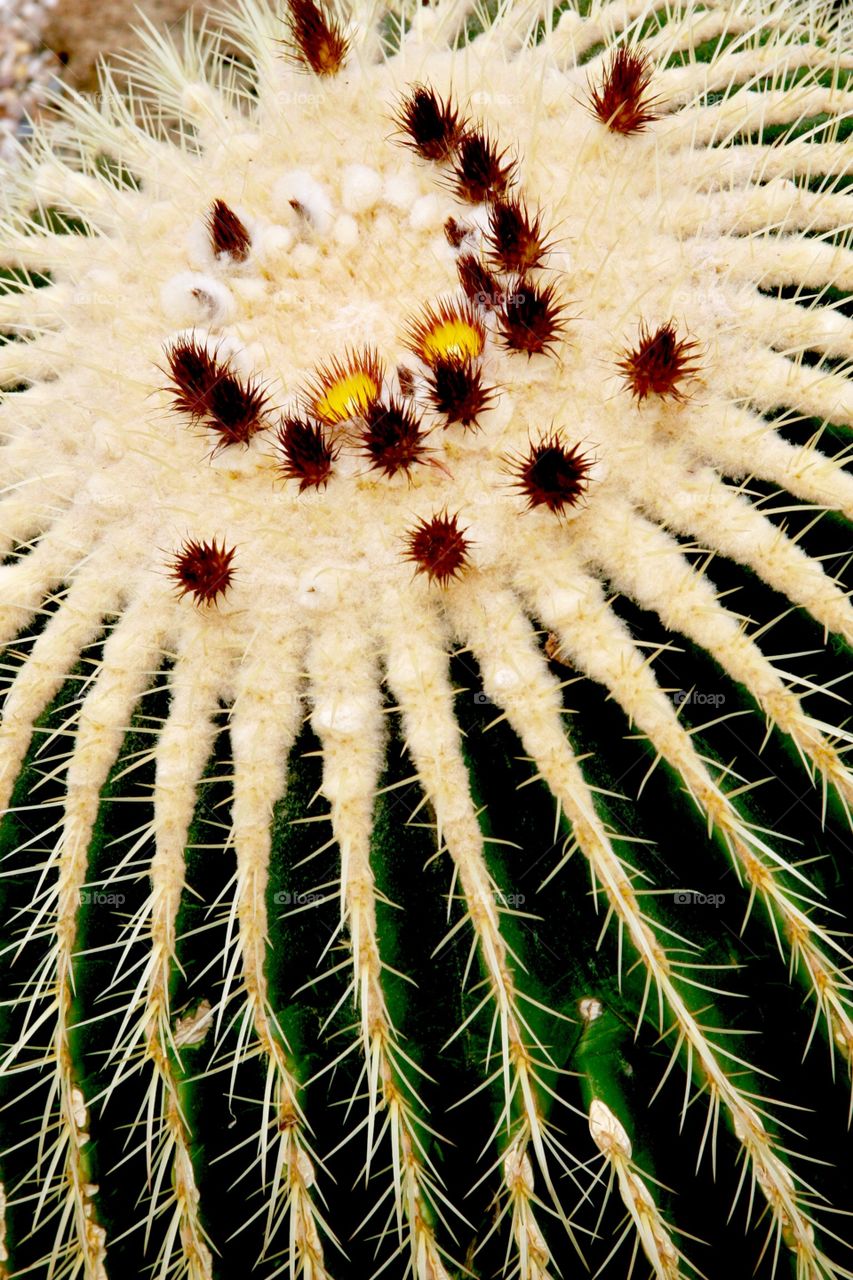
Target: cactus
430,425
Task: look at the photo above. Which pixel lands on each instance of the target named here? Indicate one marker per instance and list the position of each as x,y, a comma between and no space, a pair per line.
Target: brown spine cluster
203,570
434,130
455,232
457,391
551,474
317,39
236,409
392,437
228,235
660,362
209,391
438,548
481,171
364,364
430,125
446,311
620,100
515,237
307,453
531,319
193,372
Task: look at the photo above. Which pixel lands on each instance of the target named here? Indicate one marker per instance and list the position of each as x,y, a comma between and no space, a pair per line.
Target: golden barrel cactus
400,408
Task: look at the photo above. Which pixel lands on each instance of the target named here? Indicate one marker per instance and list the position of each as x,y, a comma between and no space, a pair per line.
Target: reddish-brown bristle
316,38
194,372
620,100
308,454
448,330
438,548
343,389
553,651
659,363
514,236
406,380
228,235
393,437
431,126
551,474
478,283
203,570
235,408
455,232
209,391
531,318
457,392
481,172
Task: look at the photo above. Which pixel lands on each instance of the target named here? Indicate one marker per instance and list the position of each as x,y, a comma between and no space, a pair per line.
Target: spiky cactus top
335,350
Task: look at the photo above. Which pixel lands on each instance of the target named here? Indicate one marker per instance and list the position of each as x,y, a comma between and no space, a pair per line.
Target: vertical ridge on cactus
209,652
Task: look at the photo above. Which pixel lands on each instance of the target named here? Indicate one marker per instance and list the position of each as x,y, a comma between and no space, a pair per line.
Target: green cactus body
423,745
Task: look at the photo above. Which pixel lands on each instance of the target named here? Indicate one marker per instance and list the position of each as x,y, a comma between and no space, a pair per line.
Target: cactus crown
335,350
